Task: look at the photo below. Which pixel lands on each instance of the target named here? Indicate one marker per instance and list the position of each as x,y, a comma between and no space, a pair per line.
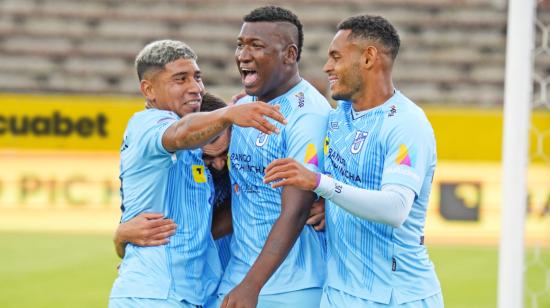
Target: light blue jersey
390,144
256,206
154,180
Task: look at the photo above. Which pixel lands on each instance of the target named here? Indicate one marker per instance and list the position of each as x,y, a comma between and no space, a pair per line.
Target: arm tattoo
198,136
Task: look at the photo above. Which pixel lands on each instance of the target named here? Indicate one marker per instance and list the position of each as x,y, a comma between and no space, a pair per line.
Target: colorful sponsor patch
403,156
325,147
199,174
311,155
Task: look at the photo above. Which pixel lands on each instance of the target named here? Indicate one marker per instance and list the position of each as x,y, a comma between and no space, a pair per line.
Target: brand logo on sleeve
301,99
199,174
311,155
325,147
334,125
358,142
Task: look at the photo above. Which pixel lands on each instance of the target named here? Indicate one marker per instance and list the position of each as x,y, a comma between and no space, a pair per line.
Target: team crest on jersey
301,99
261,140
358,142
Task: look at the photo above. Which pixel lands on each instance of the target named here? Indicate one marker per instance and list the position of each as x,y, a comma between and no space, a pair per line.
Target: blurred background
68,87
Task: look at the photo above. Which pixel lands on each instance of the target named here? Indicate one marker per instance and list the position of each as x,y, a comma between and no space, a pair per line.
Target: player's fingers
313,220
163,235
320,226
274,113
275,174
155,223
277,163
267,125
281,183
152,215
262,125
157,242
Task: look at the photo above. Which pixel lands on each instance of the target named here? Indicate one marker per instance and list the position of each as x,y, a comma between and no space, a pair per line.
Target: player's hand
254,115
317,215
242,296
146,229
290,172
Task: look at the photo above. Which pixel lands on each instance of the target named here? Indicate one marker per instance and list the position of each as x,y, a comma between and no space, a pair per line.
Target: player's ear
369,56
291,54
146,88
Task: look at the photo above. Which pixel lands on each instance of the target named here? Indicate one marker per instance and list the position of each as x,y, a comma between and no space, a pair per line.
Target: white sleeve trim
390,206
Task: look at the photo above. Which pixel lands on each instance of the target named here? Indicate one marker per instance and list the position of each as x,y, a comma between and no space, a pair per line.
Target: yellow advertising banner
96,123
47,122
79,192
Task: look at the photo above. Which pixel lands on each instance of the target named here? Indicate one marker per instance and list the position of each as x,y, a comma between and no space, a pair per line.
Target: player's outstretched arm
197,129
295,208
146,229
391,205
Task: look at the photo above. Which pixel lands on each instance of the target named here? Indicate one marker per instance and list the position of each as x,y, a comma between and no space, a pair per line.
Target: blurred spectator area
452,51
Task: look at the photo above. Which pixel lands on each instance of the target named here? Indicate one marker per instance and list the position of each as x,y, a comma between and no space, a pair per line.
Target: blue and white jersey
256,206
176,184
390,144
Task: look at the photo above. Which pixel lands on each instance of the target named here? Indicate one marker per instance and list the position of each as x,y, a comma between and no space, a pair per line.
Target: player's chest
249,145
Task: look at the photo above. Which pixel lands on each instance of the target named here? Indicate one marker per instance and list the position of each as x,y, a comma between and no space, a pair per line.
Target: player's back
256,206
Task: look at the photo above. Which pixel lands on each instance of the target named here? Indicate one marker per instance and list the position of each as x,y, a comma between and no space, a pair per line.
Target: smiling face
260,58
343,67
178,87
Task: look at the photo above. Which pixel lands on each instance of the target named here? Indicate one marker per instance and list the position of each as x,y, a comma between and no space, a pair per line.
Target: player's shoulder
402,112
306,99
147,118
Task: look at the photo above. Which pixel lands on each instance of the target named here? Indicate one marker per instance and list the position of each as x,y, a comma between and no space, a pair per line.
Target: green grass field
61,270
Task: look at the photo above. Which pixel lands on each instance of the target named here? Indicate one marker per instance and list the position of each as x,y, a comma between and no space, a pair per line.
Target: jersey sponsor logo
199,174
334,125
358,142
339,163
56,124
301,99
403,157
325,147
311,155
261,140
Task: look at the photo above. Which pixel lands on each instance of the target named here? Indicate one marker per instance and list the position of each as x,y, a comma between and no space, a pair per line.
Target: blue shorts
336,298
135,302
306,298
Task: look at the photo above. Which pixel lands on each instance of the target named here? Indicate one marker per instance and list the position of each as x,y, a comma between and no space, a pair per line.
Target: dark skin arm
222,223
295,208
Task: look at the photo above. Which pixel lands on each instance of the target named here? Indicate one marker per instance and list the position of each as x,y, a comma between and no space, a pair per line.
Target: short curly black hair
374,28
275,13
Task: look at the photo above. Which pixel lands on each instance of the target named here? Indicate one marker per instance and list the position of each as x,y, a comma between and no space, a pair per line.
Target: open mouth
249,76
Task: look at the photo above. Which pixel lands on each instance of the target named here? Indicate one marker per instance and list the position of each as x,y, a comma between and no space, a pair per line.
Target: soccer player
379,165
162,171
275,260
